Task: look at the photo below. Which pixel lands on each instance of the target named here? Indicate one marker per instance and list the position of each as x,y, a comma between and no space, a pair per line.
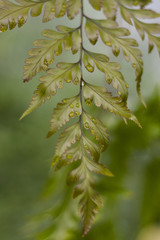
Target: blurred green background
131,199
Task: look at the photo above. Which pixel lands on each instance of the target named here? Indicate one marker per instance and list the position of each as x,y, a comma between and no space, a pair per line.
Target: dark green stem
81,68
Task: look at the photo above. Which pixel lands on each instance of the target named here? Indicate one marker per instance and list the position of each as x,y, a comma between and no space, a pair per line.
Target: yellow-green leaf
52,81
73,8
68,108
110,8
97,129
96,4
102,97
70,136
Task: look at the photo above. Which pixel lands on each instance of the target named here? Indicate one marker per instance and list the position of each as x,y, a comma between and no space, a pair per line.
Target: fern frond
13,14
115,38
73,8
102,97
83,141
110,69
151,29
131,3
110,8
68,108
67,138
97,129
55,78
90,201
93,149
43,55
96,4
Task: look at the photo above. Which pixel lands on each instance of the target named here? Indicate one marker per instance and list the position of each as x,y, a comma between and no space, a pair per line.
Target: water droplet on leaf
77,113
86,125
77,105
68,80
116,52
109,80
76,81
71,114
134,65
90,68
71,106
108,44
69,156
88,101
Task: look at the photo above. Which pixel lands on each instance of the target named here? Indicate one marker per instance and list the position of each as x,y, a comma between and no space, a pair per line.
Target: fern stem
81,63
81,67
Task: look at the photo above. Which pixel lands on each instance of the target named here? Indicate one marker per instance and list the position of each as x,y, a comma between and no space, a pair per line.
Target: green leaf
60,8
132,3
110,8
97,129
70,136
110,69
89,206
68,108
96,4
76,153
73,8
144,13
78,174
71,155
13,14
90,201
54,79
153,40
102,97
91,32
49,11
43,55
130,15
114,37
64,29
97,168
92,148
76,41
